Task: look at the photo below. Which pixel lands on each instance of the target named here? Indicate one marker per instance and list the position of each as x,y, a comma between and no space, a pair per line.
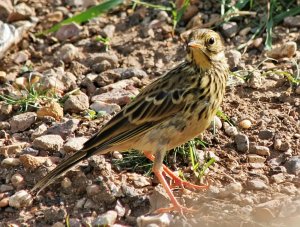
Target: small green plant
92,114
104,41
176,11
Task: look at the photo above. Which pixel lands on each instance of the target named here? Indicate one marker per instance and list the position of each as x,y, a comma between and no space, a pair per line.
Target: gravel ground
255,180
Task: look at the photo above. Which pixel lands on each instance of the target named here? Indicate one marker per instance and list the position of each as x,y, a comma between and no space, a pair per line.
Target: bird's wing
158,102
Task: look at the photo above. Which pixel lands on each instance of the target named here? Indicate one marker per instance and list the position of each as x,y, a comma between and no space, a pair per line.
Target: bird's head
205,48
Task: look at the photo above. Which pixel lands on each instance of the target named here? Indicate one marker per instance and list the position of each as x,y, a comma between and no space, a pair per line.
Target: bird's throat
200,59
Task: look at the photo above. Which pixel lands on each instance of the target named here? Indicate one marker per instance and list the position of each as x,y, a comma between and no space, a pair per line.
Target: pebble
293,165
21,122
242,143
287,49
68,31
67,53
6,188
231,130
109,108
10,162
234,58
255,79
106,219
40,130
229,29
6,8
66,183
74,144
262,214
266,134
256,184
95,58
278,178
12,150
21,12
93,189
17,180
292,21
277,144
109,30
216,122
48,142
230,189
255,158
52,109
80,203
21,57
55,17
4,202
4,125
262,150
76,103
298,90
117,155
64,129
245,124
154,220
244,31
32,162
20,199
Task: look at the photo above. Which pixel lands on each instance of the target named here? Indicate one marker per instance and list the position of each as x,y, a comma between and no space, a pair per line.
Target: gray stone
74,144
242,143
255,158
6,188
256,184
293,165
48,142
109,108
77,103
292,21
21,122
155,221
67,53
261,150
109,30
106,219
20,199
229,29
231,130
64,129
68,31
266,134
278,178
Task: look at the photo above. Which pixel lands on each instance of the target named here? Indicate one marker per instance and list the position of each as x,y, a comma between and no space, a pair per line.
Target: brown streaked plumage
167,113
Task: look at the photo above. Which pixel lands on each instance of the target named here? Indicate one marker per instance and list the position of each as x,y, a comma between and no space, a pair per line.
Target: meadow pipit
167,113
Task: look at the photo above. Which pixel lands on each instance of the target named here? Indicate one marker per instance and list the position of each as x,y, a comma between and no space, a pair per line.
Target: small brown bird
167,113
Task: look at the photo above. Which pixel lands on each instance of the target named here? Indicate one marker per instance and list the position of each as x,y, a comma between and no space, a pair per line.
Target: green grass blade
292,12
86,15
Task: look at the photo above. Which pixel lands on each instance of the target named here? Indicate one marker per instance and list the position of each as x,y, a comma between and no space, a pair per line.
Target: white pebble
20,199
17,180
245,124
66,183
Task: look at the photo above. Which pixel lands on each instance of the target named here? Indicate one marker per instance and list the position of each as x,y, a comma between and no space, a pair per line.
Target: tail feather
62,168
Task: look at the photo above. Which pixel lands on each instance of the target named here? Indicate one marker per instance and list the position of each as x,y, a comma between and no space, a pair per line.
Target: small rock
257,42
48,142
229,29
242,142
64,129
245,124
67,53
39,131
12,150
74,144
140,181
55,17
6,8
4,125
278,178
54,214
287,49
52,109
32,162
93,189
109,108
266,134
66,183
277,144
216,123
6,188
80,203
297,90
10,162
244,31
255,80
261,150
99,57
106,219
230,189
117,155
230,130
234,58
5,110
256,165
17,180
21,57
109,30
21,12
117,96
20,199
157,220
77,103
292,21
293,165
5,201
3,77
256,184
21,122
74,222
58,224
255,158
68,31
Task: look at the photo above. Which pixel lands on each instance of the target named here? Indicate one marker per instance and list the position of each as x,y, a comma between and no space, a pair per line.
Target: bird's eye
211,41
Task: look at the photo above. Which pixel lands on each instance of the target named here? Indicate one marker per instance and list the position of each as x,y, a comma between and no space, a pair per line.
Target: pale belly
172,133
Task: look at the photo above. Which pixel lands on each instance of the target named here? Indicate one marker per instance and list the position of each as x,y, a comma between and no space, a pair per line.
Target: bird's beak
194,44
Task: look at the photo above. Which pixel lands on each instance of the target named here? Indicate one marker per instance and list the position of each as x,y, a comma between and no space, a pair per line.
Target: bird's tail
63,167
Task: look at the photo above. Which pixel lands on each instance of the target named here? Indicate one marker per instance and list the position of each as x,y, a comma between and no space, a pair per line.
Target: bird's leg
175,178
157,170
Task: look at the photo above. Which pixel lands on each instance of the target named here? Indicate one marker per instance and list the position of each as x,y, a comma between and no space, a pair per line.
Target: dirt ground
255,180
